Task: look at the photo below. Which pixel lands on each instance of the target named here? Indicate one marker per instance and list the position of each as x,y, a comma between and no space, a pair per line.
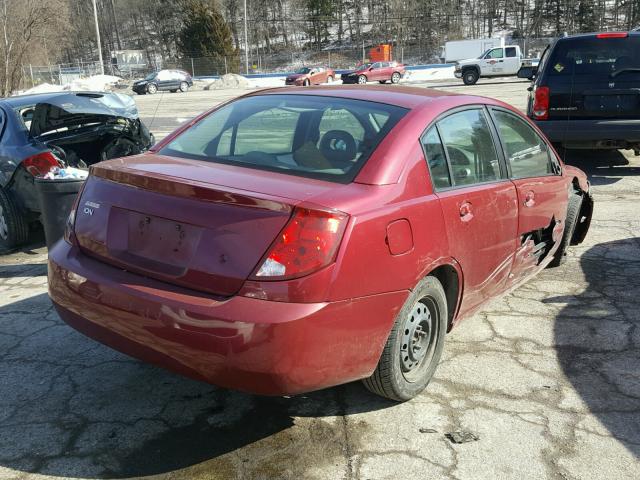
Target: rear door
478,202
511,60
594,77
542,191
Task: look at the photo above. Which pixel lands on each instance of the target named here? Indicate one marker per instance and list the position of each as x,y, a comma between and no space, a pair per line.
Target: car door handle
500,61
466,213
529,199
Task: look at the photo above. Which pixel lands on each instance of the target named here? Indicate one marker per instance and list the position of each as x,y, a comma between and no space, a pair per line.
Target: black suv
586,91
172,80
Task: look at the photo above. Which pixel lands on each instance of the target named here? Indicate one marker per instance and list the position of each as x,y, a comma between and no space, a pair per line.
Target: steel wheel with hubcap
151,88
362,79
414,346
395,78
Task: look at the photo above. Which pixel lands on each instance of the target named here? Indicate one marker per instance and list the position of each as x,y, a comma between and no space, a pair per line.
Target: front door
542,197
478,202
493,62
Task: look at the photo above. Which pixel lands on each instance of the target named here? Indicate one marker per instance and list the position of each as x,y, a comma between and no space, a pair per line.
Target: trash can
56,198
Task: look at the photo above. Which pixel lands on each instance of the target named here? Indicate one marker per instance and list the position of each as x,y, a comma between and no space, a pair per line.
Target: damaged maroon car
295,239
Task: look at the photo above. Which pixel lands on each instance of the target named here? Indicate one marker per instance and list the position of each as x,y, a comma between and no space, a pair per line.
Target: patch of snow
97,83
429,74
229,80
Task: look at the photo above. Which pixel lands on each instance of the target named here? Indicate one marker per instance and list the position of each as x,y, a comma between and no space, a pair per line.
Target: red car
370,72
291,240
306,76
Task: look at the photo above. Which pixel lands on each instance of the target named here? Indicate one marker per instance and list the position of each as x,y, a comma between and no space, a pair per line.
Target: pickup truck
495,62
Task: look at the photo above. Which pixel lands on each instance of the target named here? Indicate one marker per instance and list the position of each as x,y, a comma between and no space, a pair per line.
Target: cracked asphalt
546,378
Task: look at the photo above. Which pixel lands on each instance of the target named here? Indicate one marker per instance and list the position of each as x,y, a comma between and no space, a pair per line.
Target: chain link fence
260,62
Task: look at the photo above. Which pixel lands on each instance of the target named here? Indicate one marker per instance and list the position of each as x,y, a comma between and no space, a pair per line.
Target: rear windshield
312,136
598,57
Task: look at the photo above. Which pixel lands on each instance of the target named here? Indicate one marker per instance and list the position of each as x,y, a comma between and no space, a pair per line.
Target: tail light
541,103
307,243
41,163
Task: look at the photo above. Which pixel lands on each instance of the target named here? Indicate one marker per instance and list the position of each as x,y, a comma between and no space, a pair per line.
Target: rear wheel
414,346
395,78
184,86
306,83
151,88
362,79
573,211
14,229
470,77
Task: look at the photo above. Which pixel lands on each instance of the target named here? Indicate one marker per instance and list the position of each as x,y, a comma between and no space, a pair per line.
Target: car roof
401,96
593,35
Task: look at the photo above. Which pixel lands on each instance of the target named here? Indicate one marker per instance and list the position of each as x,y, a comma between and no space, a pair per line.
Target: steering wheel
338,146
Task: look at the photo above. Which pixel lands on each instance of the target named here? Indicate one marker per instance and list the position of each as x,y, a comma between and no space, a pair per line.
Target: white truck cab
495,62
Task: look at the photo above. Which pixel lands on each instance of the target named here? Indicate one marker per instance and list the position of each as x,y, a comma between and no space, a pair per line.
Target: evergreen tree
205,33
586,19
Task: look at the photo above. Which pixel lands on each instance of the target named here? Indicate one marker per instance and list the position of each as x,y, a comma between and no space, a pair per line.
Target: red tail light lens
41,164
307,243
541,103
613,35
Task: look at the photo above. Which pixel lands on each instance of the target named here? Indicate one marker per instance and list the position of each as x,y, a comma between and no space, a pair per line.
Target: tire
329,79
151,88
573,211
395,78
470,76
362,79
14,229
306,82
407,363
184,87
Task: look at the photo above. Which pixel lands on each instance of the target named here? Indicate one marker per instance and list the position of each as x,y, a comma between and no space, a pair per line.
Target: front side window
470,148
495,53
526,152
314,136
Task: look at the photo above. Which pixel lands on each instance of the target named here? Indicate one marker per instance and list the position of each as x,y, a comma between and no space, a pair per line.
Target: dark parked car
585,91
311,76
58,129
163,80
295,239
379,71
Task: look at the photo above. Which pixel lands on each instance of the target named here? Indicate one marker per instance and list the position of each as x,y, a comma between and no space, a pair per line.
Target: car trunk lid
182,221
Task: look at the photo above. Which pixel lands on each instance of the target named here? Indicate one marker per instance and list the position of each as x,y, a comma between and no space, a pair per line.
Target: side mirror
527,72
370,68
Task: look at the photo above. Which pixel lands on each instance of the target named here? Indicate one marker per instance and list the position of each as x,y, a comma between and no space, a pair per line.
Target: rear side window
313,136
436,159
526,152
470,148
596,56
511,52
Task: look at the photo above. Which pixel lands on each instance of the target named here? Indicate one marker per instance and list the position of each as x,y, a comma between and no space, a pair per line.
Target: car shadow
71,407
604,167
598,339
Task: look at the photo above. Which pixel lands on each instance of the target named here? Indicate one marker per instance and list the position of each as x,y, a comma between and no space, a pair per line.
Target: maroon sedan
306,76
291,240
370,72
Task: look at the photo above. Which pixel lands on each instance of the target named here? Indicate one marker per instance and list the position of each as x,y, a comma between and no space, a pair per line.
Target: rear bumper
591,132
257,346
